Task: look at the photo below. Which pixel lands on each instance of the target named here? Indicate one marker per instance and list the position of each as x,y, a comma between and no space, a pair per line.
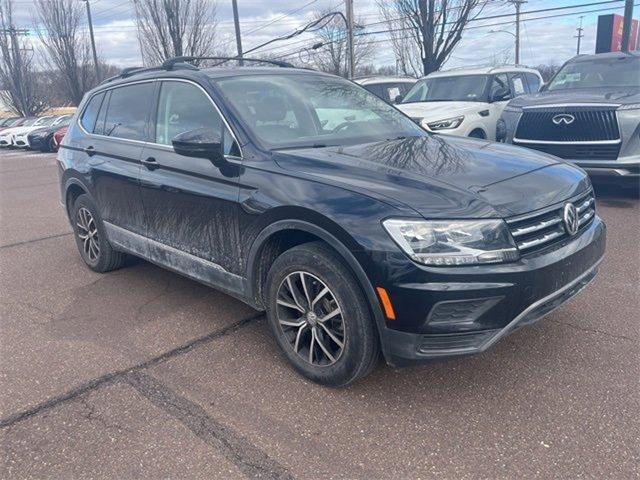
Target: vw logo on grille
563,118
571,219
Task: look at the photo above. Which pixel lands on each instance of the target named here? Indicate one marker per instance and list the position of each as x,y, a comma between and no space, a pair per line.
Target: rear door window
128,111
518,84
534,82
500,84
90,113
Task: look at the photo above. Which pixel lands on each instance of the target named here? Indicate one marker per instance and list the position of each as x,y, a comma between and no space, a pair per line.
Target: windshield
599,72
460,88
291,111
29,122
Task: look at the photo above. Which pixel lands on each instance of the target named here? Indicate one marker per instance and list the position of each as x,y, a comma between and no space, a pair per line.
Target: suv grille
589,124
538,230
577,152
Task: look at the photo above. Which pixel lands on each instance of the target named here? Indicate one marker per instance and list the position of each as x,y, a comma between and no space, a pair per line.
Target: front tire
91,238
319,316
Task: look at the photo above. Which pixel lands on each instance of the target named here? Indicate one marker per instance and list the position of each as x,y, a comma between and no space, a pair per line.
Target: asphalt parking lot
143,373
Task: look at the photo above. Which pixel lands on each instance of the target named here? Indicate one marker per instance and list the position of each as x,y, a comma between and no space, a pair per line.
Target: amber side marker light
386,303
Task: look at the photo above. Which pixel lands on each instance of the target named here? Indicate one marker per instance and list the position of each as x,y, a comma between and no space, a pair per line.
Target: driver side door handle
150,163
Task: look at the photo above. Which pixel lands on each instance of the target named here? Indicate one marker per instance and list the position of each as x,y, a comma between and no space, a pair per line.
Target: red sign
616,37
609,37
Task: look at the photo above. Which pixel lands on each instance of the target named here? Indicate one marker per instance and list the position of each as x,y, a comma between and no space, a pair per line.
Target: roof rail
517,65
170,63
130,71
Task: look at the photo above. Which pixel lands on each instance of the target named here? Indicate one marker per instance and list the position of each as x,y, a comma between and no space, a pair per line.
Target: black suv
304,195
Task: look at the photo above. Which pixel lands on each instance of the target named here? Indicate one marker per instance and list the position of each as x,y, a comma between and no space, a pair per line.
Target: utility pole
517,4
93,41
579,35
626,26
351,64
236,22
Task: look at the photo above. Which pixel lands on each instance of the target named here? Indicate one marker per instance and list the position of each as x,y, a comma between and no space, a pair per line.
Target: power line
297,51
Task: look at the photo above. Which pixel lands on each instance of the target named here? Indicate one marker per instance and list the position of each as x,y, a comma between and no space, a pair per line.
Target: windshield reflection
300,110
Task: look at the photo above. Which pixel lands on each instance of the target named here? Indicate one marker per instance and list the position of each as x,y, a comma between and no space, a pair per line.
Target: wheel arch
291,227
73,188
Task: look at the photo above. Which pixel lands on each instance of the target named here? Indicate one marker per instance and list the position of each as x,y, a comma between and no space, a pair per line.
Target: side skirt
195,268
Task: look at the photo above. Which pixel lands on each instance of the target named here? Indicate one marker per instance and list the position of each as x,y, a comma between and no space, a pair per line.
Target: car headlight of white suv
446,124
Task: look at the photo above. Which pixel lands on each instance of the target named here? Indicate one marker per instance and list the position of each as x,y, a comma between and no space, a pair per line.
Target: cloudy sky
544,40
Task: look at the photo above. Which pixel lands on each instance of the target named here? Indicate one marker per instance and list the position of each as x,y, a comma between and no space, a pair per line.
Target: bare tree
332,57
21,87
66,46
170,28
423,33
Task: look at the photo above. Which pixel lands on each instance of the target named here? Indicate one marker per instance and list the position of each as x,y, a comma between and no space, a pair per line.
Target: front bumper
21,141
504,298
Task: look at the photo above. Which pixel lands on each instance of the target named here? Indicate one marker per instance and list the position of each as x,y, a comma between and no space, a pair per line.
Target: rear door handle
90,150
151,163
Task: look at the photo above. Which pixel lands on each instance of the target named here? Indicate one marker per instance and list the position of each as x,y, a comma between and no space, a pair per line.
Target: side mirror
500,94
201,143
398,99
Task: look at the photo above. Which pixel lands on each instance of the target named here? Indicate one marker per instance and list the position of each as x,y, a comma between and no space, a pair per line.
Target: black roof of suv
306,196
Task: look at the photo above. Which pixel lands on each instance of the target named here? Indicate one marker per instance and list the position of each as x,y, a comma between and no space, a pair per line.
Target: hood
25,130
11,130
443,177
605,95
434,111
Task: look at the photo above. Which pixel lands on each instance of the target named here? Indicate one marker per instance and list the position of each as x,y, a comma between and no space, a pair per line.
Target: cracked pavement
143,373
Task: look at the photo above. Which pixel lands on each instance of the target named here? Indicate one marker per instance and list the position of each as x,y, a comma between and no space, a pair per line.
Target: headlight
631,106
448,124
455,242
512,109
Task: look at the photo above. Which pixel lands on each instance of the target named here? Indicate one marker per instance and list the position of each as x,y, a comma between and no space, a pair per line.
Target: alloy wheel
88,234
310,319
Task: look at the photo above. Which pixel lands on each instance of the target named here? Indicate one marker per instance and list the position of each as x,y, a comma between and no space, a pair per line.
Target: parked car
57,138
390,89
20,135
6,122
356,237
14,122
42,138
467,102
588,113
7,136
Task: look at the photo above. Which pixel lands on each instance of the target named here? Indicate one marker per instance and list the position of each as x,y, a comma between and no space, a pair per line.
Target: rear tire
91,238
329,337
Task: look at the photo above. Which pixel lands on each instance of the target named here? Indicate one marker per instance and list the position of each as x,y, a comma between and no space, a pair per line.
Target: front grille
538,230
577,152
590,124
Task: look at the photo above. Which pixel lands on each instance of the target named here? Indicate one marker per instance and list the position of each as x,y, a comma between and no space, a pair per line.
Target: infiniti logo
563,118
571,220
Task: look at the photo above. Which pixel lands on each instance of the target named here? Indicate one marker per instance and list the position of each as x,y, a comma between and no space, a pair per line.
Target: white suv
467,102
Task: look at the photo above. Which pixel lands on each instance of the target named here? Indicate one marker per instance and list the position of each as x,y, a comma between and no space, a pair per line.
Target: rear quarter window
90,113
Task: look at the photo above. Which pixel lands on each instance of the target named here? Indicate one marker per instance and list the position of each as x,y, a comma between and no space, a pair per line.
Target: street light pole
236,22
349,7
93,41
626,25
517,4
